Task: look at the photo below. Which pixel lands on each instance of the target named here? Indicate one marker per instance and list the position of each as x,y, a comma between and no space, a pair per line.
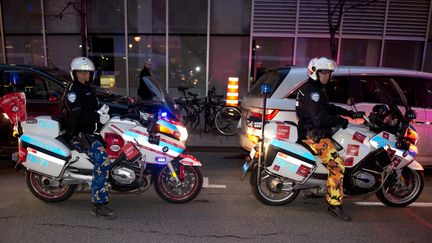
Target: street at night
224,211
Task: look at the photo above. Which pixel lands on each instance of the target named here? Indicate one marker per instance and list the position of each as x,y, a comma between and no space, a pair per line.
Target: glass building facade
200,43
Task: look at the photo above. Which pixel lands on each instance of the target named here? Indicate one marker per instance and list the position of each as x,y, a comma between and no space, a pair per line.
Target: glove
103,110
342,122
355,115
104,118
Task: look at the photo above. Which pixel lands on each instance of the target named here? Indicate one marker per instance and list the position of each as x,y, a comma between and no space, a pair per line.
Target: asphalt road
225,211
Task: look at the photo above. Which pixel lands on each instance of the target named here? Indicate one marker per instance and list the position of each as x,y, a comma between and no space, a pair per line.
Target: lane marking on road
416,204
207,185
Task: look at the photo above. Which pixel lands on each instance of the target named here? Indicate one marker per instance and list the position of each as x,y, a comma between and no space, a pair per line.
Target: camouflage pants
335,166
101,169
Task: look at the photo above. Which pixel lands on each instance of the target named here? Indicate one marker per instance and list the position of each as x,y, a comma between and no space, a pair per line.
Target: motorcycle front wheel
272,190
169,189
47,189
400,191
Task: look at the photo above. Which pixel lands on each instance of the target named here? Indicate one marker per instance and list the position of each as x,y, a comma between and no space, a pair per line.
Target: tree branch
337,5
357,5
63,11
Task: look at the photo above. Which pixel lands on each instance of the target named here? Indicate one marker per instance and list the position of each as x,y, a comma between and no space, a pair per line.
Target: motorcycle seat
337,146
306,147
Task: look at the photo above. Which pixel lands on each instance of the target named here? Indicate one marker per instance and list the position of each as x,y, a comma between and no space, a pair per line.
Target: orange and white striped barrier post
232,92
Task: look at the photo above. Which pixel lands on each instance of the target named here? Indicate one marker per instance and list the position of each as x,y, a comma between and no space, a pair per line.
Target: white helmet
81,64
319,64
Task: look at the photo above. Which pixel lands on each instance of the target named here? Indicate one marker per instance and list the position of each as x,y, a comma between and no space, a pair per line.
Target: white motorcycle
143,149
378,156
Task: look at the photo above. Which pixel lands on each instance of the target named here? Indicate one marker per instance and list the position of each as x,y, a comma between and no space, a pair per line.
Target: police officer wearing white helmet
317,117
80,115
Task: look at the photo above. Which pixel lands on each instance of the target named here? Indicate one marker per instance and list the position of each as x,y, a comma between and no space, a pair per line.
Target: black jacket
79,109
316,115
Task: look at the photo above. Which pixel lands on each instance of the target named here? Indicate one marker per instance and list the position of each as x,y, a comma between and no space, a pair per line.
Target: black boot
103,211
338,212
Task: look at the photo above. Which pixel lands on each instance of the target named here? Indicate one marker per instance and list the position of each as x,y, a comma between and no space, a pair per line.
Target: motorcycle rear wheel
47,193
400,192
268,192
190,185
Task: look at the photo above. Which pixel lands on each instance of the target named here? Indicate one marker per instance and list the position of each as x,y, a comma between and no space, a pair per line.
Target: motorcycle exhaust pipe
310,183
71,178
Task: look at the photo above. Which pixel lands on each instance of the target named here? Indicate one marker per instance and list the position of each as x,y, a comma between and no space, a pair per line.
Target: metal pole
250,45
2,33
44,34
166,45
384,35
426,38
84,33
339,41
261,148
208,48
296,33
126,45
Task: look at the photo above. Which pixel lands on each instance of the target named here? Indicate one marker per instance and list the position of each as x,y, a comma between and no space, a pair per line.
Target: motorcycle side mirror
265,89
410,115
350,101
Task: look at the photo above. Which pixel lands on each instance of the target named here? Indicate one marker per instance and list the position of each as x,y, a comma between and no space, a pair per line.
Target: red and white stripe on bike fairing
135,135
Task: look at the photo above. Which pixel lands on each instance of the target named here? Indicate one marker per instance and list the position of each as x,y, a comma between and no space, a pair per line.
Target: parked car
44,88
347,81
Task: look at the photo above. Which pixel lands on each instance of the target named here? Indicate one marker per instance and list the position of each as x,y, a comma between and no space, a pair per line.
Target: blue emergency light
160,159
265,88
14,78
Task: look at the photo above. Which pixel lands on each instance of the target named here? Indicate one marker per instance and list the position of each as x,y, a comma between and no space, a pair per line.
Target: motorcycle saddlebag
43,155
289,159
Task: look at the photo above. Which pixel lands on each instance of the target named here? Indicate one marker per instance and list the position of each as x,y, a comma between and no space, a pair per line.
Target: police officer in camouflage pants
80,115
316,119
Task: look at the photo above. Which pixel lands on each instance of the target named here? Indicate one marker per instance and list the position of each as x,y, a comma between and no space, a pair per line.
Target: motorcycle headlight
183,133
411,135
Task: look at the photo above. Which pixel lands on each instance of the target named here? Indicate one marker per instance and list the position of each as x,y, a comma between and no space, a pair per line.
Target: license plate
245,167
252,153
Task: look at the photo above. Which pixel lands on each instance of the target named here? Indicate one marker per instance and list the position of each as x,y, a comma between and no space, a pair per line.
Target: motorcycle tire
401,192
47,193
266,194
189,187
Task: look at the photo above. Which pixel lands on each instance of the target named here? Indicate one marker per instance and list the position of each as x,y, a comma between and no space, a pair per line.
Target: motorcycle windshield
384,91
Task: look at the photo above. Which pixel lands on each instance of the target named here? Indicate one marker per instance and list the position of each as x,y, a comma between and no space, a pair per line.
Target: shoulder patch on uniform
71,96
315,96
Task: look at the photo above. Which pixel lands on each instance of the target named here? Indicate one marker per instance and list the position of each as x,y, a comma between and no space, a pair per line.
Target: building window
146,16
25,49
187,65
403,54
108,55
308,48
61,16
149,51
274,52
58,55
360,52
234,19
22,16
106,16
228,58
188,16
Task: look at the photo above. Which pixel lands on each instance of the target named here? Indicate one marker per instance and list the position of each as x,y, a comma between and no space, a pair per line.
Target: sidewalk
200,139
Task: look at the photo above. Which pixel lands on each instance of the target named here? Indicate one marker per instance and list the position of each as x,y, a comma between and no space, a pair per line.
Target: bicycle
227,119
216,114
187,107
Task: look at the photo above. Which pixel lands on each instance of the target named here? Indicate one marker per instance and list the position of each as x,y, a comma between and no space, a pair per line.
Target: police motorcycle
143,148
379,157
